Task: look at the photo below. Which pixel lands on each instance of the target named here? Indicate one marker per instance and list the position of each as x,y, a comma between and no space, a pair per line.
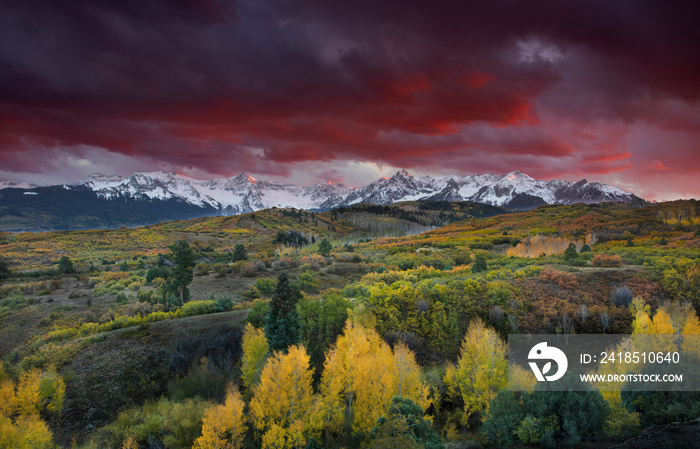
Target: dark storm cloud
199,83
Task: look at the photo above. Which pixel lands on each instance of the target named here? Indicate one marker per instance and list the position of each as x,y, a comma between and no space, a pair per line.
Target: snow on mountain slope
243,193
10,184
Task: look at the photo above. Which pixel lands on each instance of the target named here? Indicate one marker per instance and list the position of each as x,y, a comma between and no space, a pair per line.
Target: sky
348,91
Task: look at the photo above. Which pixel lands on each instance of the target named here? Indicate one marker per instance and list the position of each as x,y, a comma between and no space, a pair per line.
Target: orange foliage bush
606,260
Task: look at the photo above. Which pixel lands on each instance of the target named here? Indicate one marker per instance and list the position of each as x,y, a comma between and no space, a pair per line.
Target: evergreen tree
4,270
65,265
585,248
239,253
184,263
283,326
570,254
324,248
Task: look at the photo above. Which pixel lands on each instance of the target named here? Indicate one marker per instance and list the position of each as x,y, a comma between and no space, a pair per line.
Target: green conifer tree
283,325
324,248
239,253
65,265
570,254
184,259
479,264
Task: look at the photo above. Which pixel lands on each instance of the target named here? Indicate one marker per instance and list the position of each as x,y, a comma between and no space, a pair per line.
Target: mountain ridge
163,196
243,193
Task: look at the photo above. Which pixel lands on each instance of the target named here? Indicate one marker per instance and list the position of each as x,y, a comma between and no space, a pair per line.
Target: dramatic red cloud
555,89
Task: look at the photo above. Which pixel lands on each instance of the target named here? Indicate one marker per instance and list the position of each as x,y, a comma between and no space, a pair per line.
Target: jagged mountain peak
403,174
245,177
517,174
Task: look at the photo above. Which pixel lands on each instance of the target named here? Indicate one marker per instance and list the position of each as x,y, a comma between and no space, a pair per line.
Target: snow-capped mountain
11,184
236,195
150,197
243,193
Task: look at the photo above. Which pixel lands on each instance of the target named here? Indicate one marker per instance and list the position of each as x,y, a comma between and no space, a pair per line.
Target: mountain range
148,197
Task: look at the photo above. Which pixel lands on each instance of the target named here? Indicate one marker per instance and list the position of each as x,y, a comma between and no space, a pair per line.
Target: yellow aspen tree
33,433
521,379
296,438
28,395
9,434
374,384
255,350
408,377
284,394
365,363
275,438
663,327
642,324
20,424
480,371
7,396
662,324
331,408
691,332
223,426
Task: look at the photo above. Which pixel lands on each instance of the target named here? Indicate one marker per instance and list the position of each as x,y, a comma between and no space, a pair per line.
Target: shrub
252,293
307,283
224,303
249,270
15,301
266,285
622,296
258,313
193,308
202,269
122,298
462,259
145,296
606,260
163,423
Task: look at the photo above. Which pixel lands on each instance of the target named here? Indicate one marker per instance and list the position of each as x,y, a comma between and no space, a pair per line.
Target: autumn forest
367,326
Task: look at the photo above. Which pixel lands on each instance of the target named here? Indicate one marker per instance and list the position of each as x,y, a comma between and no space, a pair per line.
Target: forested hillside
366,326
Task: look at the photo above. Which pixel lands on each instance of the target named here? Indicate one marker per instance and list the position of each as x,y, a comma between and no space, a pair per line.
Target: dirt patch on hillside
676,435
